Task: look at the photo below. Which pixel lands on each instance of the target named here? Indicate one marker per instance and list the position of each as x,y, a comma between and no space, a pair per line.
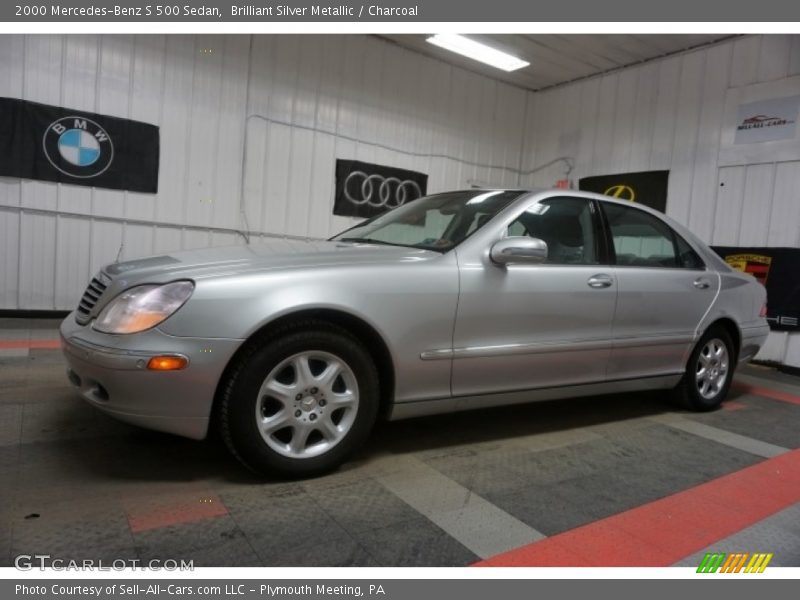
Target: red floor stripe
663,532
32,344
163,512
768,393
732,405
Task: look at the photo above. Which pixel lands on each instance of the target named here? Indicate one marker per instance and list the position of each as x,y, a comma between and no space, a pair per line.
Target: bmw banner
39,141
645,187
365,190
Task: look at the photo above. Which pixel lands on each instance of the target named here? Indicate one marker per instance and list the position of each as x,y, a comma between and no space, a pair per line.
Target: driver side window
566,225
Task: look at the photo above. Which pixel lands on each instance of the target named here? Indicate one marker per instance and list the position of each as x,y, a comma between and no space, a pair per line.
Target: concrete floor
448,490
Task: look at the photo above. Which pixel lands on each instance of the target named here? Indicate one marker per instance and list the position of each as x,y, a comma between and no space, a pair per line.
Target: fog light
74,378
167,363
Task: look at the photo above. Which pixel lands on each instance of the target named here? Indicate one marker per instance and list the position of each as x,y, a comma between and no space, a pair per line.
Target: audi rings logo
365,190
378,191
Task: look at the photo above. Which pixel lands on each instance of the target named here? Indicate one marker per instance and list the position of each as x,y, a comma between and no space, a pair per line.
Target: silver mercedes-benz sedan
454,301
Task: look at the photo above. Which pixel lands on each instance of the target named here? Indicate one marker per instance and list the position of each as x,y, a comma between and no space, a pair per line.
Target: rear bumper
753,339
110,372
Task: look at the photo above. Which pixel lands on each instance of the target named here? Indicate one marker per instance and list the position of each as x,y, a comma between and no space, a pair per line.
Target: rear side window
643,240
688,257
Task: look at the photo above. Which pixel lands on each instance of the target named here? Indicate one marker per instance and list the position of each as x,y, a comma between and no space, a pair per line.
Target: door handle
600,281
701,284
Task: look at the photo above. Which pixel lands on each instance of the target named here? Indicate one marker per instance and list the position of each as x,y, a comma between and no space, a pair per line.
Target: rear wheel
300,403
709,372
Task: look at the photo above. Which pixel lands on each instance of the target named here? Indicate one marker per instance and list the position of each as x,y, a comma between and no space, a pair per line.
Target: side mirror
519,250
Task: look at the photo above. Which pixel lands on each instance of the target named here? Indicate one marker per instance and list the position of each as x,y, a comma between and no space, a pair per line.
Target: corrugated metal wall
668,114
273,112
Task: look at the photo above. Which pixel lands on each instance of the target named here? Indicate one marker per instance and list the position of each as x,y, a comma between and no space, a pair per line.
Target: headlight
143,307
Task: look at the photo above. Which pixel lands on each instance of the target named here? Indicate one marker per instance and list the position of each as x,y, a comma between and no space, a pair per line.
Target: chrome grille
90,297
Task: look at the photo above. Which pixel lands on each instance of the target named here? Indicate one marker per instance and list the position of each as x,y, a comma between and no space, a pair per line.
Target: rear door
664,290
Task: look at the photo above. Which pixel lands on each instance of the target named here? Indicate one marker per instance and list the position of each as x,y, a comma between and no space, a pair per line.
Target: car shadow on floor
503,424
132,454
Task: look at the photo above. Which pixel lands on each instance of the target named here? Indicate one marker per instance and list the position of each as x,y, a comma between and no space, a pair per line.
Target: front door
525,326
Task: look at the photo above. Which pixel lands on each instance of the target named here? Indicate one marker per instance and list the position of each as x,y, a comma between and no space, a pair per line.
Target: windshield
438,222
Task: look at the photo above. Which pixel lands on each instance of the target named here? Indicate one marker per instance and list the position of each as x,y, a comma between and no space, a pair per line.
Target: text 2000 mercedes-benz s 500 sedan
454,301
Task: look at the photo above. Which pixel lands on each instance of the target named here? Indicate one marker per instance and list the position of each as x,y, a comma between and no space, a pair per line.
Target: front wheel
709,372
300,403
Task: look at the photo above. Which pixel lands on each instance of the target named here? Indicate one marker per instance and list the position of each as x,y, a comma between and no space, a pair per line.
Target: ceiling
558,59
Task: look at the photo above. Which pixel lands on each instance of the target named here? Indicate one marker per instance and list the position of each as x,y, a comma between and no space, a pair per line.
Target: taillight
763,311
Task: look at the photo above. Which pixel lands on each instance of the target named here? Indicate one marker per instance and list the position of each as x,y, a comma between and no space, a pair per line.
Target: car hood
275,254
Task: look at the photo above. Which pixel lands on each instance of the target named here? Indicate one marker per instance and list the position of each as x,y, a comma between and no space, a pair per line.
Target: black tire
239,397
688,393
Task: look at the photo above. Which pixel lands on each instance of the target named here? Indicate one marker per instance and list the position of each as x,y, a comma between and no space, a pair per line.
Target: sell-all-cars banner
778,269
365,189
645,187
40,141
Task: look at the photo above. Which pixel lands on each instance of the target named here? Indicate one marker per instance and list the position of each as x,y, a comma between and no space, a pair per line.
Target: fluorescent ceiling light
477,51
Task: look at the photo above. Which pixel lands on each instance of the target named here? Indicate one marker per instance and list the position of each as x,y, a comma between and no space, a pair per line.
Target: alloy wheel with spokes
711,370
307,404
299,400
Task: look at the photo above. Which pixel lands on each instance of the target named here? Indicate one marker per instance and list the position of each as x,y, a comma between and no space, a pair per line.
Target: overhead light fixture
477,51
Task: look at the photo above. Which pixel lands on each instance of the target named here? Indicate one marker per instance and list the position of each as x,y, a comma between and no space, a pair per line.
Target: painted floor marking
174,510
471,520
30,344
721,436
769,382
768,392
777,534
663,532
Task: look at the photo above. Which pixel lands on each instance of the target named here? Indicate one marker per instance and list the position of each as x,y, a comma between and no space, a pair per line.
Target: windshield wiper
361,240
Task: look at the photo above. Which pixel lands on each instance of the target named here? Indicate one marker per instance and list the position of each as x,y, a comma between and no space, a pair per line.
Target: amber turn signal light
167,363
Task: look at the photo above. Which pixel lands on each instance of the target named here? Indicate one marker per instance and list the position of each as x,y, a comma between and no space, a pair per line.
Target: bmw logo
78,147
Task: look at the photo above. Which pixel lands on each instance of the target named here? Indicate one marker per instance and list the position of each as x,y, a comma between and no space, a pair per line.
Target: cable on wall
567,160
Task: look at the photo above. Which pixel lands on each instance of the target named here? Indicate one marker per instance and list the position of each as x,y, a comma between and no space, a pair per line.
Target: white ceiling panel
558,59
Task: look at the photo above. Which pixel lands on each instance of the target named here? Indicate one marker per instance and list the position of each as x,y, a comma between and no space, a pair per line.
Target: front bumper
110,372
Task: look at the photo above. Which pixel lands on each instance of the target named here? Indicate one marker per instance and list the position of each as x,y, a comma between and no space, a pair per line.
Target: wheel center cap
308,403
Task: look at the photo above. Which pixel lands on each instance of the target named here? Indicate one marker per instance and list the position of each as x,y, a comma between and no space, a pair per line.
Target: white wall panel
794,56
728,207
10,222
705,181
758,191
37,267
137,241
784,223
73,267
253,122
667,114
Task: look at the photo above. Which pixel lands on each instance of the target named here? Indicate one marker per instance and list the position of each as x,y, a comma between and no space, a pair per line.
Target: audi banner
365,189
39,141
645,187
